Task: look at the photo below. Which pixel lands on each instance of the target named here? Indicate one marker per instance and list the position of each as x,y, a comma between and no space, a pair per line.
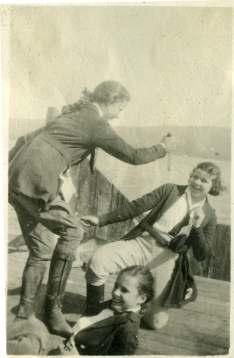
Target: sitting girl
114,330
179,218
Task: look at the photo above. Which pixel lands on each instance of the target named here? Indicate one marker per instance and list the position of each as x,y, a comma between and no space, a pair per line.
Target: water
135,181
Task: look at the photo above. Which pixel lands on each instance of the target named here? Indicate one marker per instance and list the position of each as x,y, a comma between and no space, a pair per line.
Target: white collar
136,309
100,112
190,204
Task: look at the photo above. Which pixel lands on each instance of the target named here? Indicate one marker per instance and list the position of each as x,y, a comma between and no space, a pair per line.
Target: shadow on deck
200,328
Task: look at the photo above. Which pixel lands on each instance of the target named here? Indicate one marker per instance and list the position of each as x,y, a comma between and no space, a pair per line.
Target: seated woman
180,218
114,330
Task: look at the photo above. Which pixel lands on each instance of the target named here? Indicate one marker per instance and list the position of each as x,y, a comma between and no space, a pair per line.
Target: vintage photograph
119,179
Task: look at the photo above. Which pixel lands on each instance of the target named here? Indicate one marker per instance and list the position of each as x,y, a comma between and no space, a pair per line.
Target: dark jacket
35,167
158,201
116,335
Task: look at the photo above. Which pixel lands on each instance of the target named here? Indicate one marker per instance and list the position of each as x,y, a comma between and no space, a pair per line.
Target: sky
175,61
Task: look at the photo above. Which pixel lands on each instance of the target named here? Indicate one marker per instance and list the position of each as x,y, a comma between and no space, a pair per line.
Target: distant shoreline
206,142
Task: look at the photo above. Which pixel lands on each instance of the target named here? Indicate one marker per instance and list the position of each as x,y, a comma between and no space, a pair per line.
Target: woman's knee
98,261
36,261
97,258
99,267
40,252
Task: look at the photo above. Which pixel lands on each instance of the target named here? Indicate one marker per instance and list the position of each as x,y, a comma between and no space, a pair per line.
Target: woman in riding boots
179,218
114,331
37,167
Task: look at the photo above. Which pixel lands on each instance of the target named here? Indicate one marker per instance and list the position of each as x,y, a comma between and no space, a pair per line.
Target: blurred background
175,62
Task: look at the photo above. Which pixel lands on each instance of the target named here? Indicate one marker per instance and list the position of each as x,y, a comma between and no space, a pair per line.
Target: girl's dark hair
106,92
213,170
145,282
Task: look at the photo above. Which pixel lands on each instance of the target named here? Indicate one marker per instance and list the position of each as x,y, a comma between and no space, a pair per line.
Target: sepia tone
176,62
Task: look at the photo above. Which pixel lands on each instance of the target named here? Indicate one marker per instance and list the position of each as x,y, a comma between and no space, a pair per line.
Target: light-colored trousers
113,257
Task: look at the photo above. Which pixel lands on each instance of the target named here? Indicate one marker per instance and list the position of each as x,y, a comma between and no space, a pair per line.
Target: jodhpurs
39,226
113,257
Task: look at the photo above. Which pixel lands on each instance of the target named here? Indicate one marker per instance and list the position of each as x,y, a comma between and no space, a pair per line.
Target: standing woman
35,175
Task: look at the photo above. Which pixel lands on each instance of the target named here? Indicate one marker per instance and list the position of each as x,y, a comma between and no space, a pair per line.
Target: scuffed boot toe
58,325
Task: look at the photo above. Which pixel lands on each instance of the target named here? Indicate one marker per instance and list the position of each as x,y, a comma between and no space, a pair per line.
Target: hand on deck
198,217
89,220
68,347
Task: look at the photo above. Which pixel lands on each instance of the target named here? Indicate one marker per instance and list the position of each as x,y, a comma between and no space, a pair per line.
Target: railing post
52,112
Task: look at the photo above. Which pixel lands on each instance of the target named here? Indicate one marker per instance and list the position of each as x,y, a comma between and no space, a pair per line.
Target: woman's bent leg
37,230
107,260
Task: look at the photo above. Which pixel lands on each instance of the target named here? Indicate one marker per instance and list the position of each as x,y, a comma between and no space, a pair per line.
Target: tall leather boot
33,274
60,269
94,300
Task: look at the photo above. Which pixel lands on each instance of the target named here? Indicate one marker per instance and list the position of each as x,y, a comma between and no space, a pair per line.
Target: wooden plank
214,288
199,322
104,193
220,267
199,328
116,231
167,345
184,336
191,330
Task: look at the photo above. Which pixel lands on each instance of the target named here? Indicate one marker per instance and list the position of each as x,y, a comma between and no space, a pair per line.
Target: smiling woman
39,165
205,178
133,289
180,219
200,184
114,331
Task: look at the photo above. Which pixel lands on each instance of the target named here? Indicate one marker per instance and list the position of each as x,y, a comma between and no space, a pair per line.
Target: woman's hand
68,347
198,217
89,220
168,141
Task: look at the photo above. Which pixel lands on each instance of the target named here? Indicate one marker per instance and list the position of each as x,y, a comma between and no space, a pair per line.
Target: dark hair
214,170
145,282
106,92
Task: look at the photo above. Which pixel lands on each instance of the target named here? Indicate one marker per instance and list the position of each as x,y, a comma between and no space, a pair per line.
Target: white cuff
164,146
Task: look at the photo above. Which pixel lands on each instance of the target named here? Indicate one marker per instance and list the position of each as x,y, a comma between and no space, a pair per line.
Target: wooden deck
200,328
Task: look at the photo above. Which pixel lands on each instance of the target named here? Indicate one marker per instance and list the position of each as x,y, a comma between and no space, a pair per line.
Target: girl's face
113,110
125,294
200,183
